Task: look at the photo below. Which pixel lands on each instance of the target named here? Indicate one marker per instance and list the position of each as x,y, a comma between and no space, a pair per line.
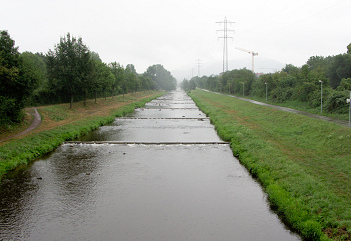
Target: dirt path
35,123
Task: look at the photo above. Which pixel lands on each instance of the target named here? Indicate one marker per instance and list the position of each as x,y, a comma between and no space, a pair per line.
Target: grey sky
175,33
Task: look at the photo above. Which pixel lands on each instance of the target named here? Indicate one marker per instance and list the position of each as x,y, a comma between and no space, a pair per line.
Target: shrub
305,90
336,102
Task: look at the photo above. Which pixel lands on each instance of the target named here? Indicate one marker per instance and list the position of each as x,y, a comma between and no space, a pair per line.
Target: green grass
22,151
299,105
55,112
304,164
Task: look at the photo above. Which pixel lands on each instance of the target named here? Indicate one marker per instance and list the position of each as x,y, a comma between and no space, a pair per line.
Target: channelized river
159,174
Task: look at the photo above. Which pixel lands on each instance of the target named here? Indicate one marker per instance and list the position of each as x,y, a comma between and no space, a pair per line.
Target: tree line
67,73
332,74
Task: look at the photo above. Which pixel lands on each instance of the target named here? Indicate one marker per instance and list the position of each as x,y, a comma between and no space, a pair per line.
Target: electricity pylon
225,43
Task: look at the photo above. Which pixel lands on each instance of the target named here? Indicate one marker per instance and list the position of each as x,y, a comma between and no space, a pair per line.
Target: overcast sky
175,33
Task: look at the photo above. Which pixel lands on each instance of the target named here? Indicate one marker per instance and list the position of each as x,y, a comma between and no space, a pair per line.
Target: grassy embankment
59,124
303,106
304,164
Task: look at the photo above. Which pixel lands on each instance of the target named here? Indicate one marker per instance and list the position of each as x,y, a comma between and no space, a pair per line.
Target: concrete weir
146,143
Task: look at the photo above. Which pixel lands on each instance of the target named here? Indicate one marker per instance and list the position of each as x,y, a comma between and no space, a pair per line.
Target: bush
282,94
9,111
305,90
336,102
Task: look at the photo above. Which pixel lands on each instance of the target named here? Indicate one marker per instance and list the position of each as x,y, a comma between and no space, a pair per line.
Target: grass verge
303,163
62,124
299,105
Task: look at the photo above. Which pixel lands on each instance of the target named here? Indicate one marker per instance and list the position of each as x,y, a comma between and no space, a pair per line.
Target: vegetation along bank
70,73
303,163
61,123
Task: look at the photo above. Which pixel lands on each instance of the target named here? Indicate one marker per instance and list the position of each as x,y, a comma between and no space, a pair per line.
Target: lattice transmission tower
225,42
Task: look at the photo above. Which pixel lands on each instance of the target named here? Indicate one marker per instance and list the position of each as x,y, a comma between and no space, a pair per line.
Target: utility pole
198,64
321,95
225,42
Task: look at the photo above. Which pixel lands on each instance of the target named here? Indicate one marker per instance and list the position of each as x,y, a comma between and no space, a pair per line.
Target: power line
225,42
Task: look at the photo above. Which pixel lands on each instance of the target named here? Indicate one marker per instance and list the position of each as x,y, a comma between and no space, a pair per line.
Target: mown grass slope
304,164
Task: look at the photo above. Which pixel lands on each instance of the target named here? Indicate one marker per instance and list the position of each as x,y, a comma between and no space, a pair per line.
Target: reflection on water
139,192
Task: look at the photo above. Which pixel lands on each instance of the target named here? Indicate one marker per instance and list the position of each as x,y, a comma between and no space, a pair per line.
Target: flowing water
161,173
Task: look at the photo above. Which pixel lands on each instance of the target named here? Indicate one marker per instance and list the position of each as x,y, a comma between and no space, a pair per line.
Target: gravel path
321,117
36,122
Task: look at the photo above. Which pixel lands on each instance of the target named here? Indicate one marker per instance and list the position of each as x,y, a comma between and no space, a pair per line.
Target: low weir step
147,143
152,118
162,108
170,103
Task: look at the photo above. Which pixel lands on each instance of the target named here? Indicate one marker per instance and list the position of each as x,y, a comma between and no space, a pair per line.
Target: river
161,173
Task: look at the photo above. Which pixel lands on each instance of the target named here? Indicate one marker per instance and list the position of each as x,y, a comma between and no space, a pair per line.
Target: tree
192,84
316,62
14,86
101,77
291,69
95,56
236,78
349,48
34,70
185,85
188,85
118,72
162,77
147,83
132,82
339,69
69,66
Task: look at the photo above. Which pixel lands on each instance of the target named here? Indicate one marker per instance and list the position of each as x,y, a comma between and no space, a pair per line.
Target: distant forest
331,75
67,73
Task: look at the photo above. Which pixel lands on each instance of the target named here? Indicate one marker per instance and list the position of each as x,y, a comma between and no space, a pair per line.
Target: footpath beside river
320,117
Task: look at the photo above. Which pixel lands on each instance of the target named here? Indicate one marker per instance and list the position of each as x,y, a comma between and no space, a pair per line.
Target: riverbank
303,163
60,123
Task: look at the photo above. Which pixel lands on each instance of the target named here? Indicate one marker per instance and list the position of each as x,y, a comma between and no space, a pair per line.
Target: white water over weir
161,173
146,143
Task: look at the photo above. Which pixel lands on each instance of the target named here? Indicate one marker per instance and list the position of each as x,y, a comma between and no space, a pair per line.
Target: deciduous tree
162,77
69,66
34,70
14,86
